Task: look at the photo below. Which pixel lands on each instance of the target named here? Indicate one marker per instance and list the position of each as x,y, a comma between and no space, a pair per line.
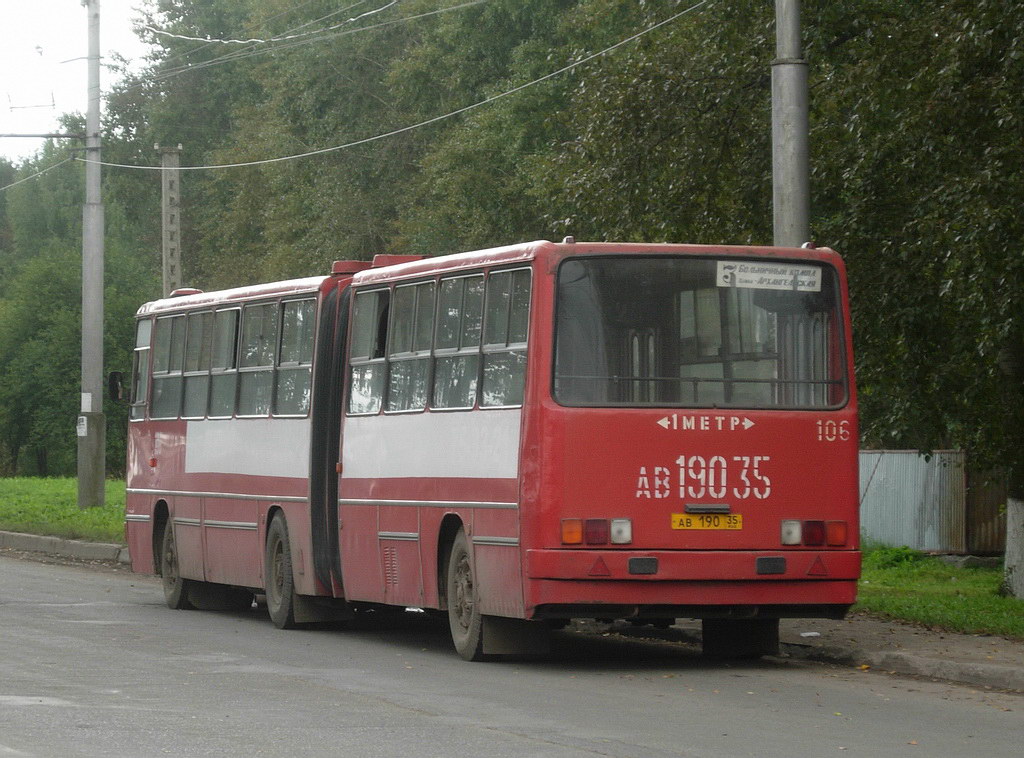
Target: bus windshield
698,332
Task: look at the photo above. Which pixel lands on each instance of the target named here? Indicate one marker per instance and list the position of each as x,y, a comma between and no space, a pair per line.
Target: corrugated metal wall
926,504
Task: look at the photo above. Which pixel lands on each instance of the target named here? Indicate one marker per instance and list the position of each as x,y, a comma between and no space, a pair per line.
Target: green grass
50,507
903,584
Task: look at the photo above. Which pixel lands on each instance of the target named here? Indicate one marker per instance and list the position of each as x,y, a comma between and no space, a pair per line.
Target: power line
185,53
282,38
37,174
429,121
241,54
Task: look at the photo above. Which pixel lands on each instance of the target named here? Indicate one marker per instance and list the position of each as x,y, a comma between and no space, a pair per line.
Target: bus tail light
595,531
814,532
622,531
791,532
572,531
835,533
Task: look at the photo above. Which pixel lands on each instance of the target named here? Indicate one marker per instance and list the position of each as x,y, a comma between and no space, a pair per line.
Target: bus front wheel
278,576
463,601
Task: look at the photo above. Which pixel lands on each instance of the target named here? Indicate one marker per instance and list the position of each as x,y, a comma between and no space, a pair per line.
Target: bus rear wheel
464,617
278,575
176,589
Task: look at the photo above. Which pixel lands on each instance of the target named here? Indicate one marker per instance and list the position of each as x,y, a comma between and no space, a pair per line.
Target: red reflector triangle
600,568
817,568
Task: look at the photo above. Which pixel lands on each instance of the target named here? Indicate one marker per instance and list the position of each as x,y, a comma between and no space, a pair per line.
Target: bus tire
176,589
279,579
464,618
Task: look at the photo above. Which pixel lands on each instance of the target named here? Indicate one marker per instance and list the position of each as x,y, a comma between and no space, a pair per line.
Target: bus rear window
698,332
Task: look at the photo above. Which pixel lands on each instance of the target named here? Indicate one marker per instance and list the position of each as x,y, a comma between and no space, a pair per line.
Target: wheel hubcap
463,592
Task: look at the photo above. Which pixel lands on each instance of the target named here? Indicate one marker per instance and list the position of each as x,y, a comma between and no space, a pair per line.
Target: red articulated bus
517,436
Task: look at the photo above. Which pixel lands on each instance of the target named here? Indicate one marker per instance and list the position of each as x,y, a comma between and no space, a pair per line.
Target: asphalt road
93,664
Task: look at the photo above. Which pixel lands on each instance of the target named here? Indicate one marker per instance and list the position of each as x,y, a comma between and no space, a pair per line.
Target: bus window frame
460,351
409,356
170,372
141,378
294,366
839,347
185,373
221,371
372,359
511,348
262,368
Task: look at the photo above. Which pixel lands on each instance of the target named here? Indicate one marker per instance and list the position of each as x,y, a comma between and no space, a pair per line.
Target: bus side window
366,358
140,368
412,330
168,350
257,356
457,344
506,322
198,345
294,365
223,364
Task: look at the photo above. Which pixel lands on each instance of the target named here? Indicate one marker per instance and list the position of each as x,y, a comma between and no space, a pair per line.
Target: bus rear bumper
692,584
692,565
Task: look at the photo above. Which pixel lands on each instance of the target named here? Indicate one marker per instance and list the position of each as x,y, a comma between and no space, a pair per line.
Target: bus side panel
360,565
233,549
499,565
138,531
398,533
187,514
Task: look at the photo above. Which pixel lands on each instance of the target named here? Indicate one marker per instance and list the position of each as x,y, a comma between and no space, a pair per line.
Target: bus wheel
278,570
176,589
463,602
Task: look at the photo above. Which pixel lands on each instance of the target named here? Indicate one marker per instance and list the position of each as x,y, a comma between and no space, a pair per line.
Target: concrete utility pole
791,179
92,425
171,183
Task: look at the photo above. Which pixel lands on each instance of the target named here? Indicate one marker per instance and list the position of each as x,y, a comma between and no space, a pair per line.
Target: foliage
917,139
890,557
49,507
924,590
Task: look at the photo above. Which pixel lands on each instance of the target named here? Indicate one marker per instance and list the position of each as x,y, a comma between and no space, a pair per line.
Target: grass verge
50,507
906,585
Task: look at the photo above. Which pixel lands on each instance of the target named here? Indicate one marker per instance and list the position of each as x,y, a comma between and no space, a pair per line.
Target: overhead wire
251,52
282,38
420,124
285,12
36,175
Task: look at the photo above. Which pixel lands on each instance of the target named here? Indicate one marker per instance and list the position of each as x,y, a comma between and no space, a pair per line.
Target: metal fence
934,503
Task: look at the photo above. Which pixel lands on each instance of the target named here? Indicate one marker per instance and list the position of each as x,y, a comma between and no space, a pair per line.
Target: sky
37,36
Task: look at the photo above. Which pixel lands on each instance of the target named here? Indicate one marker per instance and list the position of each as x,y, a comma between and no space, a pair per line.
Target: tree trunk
1012,363
1013,576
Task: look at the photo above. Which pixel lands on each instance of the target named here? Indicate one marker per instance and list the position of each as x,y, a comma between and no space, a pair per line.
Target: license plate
707,521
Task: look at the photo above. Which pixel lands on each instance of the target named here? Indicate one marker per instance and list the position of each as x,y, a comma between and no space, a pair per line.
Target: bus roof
496,256
527,251
237,294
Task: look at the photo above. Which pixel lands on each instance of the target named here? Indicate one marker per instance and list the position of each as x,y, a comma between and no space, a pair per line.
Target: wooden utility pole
92,425
170,159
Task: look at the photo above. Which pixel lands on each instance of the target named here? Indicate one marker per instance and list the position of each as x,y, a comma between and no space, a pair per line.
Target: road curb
964,672
79,549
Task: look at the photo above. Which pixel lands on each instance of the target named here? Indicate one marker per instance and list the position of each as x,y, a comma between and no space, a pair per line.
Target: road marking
17,700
